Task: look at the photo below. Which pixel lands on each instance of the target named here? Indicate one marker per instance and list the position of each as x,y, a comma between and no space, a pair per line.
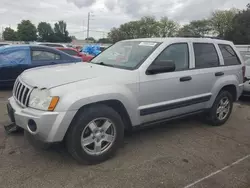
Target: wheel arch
231,88
115,104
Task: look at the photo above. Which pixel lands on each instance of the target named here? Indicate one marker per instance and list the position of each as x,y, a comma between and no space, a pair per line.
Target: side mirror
161,67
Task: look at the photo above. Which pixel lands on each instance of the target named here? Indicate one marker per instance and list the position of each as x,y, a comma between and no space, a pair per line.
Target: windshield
126,54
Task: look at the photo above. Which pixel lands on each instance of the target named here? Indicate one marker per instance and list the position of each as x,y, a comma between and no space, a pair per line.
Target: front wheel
221,109
95,134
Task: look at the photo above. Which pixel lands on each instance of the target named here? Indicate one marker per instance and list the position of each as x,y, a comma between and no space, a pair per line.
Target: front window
126,54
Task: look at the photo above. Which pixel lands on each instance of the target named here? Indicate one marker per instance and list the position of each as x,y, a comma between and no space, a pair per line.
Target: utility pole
88,25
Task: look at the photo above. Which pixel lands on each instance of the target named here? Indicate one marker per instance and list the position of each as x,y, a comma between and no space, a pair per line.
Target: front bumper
51,126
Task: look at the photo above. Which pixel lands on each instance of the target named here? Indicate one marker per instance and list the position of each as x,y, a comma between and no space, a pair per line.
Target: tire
212,116
82,124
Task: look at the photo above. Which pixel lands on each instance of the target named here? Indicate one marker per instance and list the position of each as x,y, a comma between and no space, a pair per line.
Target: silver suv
133,83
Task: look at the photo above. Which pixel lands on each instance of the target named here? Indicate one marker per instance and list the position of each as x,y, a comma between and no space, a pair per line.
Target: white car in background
246,57
245,53
246,90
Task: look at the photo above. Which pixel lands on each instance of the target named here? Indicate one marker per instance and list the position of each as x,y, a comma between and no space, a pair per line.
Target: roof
25,46
178,39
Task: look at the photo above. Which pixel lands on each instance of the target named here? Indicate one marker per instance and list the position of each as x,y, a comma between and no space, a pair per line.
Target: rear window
15,57
40,55
70,52
205,56
229,55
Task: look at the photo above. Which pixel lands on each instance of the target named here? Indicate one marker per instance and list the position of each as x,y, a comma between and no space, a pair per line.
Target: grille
21,93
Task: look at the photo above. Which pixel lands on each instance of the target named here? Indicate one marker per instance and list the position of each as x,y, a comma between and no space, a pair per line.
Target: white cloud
106,13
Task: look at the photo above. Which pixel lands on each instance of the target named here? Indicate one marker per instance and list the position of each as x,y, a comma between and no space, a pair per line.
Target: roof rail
203,37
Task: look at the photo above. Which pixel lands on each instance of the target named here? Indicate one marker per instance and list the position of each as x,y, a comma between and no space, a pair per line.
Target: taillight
243,72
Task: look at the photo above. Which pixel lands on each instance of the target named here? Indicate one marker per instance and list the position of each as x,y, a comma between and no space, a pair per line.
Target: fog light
32,125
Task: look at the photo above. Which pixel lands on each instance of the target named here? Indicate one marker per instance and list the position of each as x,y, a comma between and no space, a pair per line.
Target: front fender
79,98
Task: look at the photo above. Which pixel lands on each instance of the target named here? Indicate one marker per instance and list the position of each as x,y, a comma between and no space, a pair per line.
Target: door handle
185,79
219,73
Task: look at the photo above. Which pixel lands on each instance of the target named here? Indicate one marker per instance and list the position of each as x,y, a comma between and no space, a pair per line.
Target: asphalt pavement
185,153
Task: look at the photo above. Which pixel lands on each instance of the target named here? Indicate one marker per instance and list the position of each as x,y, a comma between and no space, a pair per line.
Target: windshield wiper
104,64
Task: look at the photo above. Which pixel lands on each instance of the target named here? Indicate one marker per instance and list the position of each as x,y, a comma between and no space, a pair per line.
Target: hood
57,75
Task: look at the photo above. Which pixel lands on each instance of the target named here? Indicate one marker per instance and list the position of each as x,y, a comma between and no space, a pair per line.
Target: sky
106,14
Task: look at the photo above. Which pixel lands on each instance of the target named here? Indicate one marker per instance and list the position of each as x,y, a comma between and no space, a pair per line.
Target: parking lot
184,153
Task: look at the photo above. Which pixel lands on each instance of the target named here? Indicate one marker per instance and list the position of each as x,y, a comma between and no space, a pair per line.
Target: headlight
41,100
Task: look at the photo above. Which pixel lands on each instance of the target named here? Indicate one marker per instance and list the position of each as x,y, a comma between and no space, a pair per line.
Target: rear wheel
221,109
95,134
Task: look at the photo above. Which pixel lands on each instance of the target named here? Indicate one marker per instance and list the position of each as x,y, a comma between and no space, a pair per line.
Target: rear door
207,67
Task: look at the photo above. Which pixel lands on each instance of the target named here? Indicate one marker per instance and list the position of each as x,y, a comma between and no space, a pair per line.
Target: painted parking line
218,171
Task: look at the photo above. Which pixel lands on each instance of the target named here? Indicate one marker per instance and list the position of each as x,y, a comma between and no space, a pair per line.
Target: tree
167,28
222,21
186,31
240,32
60,32
26,31
9,34
45,32
197,28
148,27
143,28
115,35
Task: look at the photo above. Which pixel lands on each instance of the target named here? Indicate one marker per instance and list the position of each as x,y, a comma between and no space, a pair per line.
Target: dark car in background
4,44
14,59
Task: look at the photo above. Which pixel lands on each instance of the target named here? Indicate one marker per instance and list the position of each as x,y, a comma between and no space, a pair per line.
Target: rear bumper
50,126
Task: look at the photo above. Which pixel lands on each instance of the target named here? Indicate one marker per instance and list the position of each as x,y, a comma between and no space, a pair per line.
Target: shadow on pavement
59,152
244,100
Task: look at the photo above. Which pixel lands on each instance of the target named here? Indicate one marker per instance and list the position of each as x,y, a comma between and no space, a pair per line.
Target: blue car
14,59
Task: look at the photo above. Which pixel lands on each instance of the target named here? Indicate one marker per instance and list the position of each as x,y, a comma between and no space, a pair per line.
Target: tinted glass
178,53
44,56
70,52
14,58
126,54
205,55
229,55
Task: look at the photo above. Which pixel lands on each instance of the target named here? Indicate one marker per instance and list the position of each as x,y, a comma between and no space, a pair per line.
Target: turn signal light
53,103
